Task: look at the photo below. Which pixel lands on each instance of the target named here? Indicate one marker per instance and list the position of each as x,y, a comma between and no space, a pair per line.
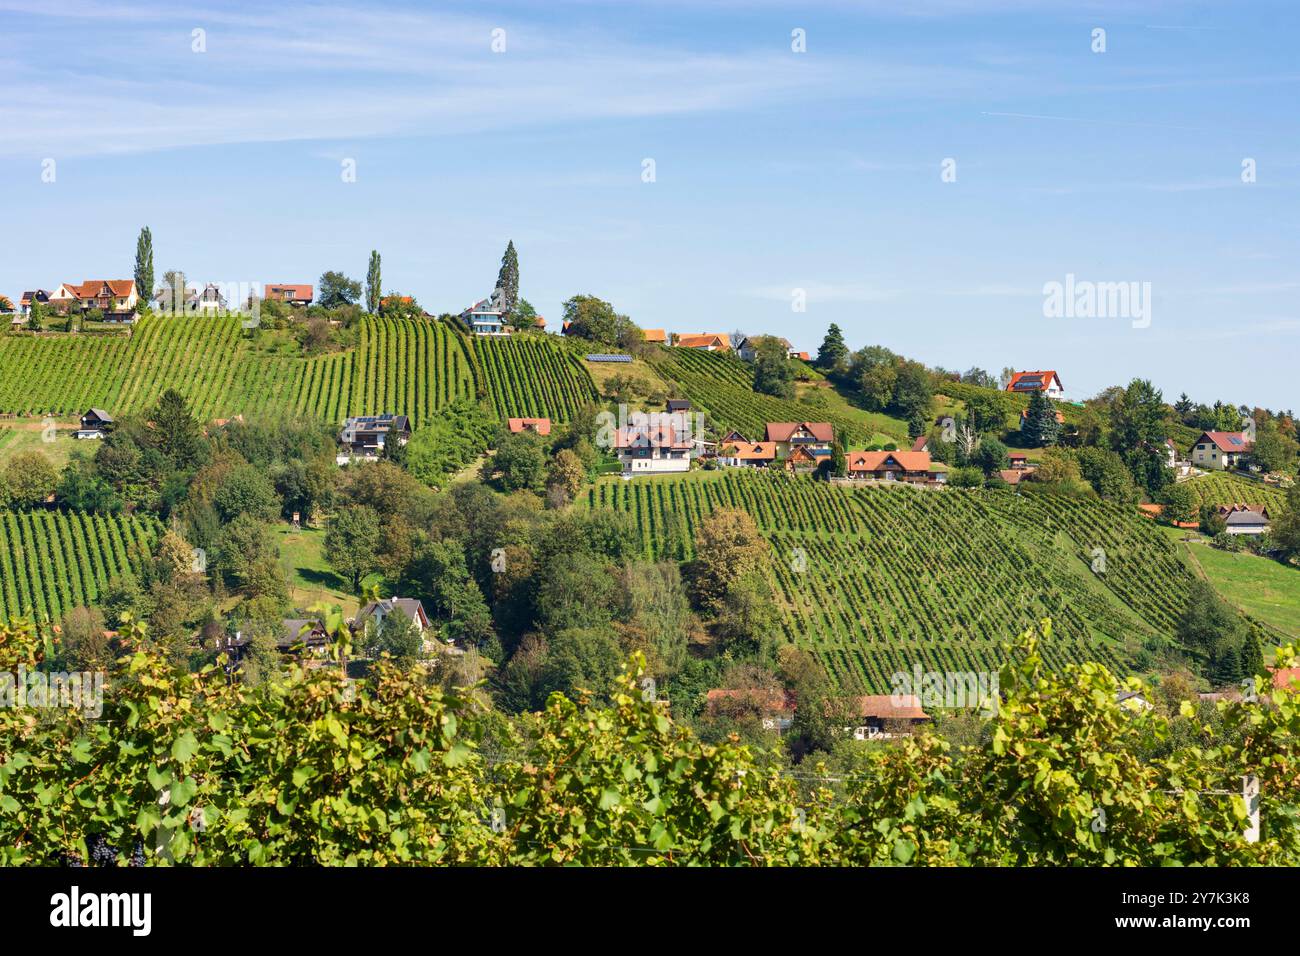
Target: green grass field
1265,589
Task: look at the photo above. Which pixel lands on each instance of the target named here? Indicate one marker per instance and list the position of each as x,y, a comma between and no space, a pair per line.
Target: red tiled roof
656,335
703,341
767,700
752,451
781,431
283,291
94,288
1234,442
875,460
1047,376
884,707
922,443
540,425
663,435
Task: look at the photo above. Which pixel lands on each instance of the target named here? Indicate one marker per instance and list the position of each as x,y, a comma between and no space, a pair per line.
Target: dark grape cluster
101,853
137,856
73,860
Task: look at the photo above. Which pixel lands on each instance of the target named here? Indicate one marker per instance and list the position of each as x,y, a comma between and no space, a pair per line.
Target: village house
677,405
115,298
487,316
96,423
748,349
773,707
705,342
374,613
658,448
1047,382
366,435
911,467
743,454
308,633
40,296
885,716
1019,461
655,336
921,443
1221,451
539,426
290,293
812,436
1243,519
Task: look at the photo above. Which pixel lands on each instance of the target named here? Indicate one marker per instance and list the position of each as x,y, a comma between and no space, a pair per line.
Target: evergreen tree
1041,427
773,371
833,352
373,286
144,265
508,278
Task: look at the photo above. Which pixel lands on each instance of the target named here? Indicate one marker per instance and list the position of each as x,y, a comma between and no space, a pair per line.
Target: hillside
1220,488
896,576
408,367
722,386
53,561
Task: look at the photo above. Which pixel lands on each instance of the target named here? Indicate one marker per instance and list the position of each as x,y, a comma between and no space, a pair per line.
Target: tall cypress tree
144,265
508,278
373,295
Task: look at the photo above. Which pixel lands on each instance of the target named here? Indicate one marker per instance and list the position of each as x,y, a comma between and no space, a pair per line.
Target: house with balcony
487,316
366,436
813,437
909,467
116,299
657,448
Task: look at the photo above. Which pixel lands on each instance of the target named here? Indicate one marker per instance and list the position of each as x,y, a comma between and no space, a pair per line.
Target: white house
653,449
487,316
1221,451
1046,381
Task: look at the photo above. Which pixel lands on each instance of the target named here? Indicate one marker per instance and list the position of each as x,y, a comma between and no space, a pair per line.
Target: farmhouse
40,296
882,716
676,405
658,448
705,342
115,298
539,426
748,349
94,424
655,336
1047,382
773,707
309,633
814,436
912,467
290,293
374,613
1220,451
745,454
1245,519
366,435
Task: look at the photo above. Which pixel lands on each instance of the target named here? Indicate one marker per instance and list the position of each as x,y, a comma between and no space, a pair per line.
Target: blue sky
774,170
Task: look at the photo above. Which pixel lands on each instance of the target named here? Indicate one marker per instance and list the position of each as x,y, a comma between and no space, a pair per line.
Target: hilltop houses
116,299
815,437
366,436
1243,519
705,342
487,316
743,454
290,293
1221,451
1046,381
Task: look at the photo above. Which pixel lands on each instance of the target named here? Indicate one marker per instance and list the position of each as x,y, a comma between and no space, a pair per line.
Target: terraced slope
52,561
877,580
409,367
1221,488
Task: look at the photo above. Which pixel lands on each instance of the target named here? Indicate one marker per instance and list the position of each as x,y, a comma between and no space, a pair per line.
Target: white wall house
1220,451
654,449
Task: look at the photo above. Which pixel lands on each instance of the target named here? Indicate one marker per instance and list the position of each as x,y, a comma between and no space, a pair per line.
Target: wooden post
1250,793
